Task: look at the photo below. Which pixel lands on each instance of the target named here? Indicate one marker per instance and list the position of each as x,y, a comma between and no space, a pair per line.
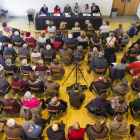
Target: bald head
55,127
9,45
111,44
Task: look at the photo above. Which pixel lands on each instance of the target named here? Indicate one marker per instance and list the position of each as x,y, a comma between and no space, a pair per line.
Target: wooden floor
73,115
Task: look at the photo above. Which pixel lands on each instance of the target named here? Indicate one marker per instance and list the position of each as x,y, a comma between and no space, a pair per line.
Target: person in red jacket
133,66
75,132
57,9
17,82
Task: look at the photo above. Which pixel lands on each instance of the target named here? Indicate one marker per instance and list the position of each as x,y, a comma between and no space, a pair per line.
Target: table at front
41,21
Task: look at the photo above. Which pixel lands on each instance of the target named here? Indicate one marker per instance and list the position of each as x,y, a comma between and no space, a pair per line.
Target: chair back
25,71
15,87
124,44
23,32
100,70
51,33
83,44
65,56
30,18
36,89
134,55
103,90
38,57
119,33
17,43
52,111
37,34
13,138
48,90
94,57
30,43
5,43
22,55
55,70
48,57
103,139
8,56
119,111
71,45
122,93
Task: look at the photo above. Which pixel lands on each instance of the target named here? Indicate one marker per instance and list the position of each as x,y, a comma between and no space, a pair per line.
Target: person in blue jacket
44,9
132,30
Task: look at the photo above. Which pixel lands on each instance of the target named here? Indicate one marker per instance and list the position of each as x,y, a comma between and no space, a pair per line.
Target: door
119,4
131,7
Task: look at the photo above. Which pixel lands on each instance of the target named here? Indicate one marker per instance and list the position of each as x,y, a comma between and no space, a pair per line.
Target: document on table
114,63
95,14
57,15
67,15
88,15
43,15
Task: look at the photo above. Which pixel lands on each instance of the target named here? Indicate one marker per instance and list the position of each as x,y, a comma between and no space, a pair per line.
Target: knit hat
28,34
70,36
26,126
124,81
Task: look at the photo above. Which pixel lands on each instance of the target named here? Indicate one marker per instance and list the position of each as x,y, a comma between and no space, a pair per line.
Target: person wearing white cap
98,63
71,41
49,52
56,132
13,129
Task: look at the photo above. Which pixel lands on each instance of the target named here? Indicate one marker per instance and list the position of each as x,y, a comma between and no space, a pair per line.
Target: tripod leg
83,76
69,75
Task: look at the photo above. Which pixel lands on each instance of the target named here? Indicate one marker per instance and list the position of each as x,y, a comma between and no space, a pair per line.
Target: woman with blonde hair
82,37
75,132
62,26
89,29
76,28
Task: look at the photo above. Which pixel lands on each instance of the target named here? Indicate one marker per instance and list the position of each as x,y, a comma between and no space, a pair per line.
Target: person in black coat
17,38
95,8
48,52
44,9
111,49
56,132
98,63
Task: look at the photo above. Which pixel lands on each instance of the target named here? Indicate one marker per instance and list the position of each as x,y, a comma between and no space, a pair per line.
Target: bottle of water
77,15
63,14
50,14
95,14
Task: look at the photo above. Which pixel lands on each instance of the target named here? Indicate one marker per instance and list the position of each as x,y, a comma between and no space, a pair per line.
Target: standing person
44,9
76,9
67,9
95,8
57,9
86,9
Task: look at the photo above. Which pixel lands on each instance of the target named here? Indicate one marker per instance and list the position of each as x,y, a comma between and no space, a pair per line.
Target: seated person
98,63
4,39
105,28
81,54
121,87
51,28
95,8
44,9
35,53
95,41
2,63
6,28
13,129
58,37
86,9
119,126
76,28
17,38
9,101
67,9
121,65
94,53
119,30
71,41
10,51
135,105
51,85
89,29
119,103
40,67
100,83
57,65
99,105
135,83
75,132
62,26
42,41
25,67
30,101
76,97
132,67
98,130
9,66
48,52
4,85
24,51
35,129
36,83
57,131
3,12
82,38
57,9
29,39
111,38
17,82
135,131
65,52
76,9
132,30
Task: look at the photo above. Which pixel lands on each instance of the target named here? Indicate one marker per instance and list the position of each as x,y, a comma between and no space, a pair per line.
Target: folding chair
9,138
119,33
34,89
122,46
8,34
119,111
21,57
76,34
101,90
37,34
5,44
8,108
33,58
9,72
52,33
122,93
136,114
18,44
6,90
48,57
65,57
30,19
89,34
50,91
71,45
103,139
13,87
52,112
99,70
23,33
134,55
55,71
26,73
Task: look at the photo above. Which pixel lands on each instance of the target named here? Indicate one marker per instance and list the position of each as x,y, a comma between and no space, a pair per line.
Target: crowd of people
40,78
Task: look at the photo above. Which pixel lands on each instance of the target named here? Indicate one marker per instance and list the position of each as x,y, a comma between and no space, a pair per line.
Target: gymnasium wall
18,7
138,11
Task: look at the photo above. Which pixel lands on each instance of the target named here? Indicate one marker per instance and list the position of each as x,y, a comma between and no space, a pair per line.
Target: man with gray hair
24,51
18,39
4,39
13,130
98,63
3,86
10,51
49,52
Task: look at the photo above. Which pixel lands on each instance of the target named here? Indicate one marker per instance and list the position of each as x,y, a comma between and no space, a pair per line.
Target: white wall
138,11
18,7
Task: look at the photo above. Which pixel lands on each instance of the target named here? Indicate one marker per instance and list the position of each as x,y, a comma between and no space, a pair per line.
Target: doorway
126,7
